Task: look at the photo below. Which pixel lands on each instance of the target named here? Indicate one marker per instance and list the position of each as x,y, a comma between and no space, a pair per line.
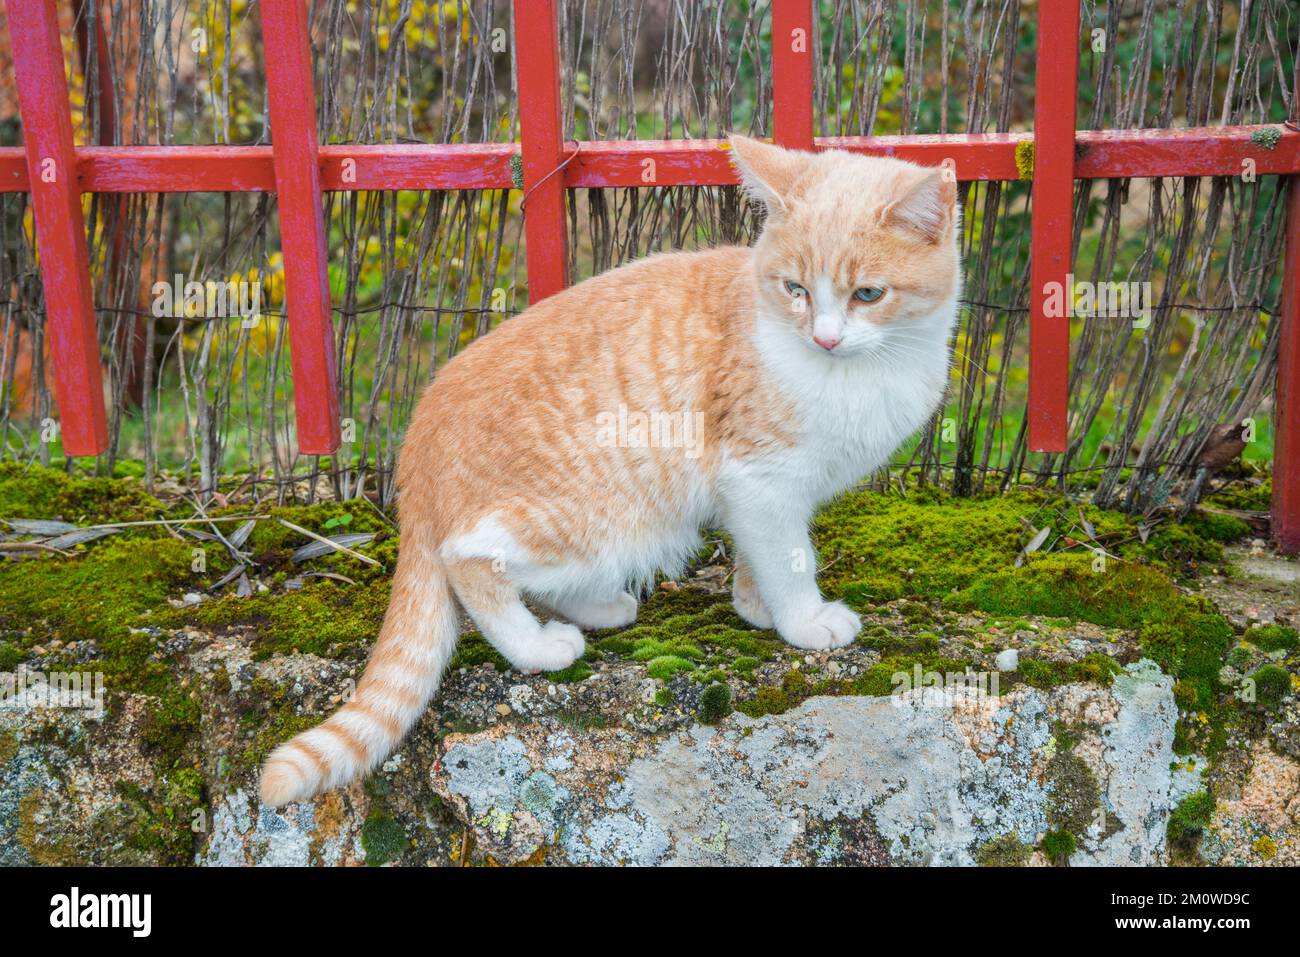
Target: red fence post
1052,231
538,64
291,98
792,74
1286,399
60,226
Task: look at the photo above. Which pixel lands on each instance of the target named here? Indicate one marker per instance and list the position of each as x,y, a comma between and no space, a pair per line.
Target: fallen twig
332,544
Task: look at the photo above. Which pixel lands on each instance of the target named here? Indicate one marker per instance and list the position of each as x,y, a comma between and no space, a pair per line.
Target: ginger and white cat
805,361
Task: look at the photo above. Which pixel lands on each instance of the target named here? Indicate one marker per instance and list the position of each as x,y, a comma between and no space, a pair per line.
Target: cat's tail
415,643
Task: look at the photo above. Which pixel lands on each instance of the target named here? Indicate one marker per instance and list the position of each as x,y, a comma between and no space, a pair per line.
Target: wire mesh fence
205,395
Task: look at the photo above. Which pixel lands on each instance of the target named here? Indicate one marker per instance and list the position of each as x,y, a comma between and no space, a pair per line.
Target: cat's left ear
927,207
767,172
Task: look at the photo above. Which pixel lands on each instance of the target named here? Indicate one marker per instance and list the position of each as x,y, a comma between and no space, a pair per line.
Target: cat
575,452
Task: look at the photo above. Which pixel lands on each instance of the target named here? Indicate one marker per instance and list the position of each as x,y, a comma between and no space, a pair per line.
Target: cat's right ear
767,172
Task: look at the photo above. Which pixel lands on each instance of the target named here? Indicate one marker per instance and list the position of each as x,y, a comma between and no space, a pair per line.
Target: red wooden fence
56,173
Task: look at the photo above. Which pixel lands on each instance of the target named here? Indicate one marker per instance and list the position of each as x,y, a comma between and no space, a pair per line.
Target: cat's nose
827,342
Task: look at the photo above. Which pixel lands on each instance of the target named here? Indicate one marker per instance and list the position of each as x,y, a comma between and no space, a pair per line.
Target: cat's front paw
556,646
831,625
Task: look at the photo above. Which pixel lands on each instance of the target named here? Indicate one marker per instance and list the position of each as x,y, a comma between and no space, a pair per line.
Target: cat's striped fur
783,383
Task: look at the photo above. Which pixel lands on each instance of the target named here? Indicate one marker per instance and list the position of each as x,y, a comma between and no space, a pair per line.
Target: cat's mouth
839,354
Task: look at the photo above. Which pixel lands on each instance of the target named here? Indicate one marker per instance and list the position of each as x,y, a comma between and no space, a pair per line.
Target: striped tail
415,643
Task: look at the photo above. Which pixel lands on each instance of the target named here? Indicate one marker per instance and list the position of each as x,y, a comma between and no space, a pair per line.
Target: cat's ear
767,172
927,206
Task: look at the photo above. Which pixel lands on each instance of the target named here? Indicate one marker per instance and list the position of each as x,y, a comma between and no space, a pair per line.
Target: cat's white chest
852,416
853,427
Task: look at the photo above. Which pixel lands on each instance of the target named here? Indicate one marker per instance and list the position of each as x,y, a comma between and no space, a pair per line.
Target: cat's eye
868,294
794,289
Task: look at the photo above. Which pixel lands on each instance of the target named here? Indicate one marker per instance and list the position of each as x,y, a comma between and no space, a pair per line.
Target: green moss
1066,736
1240,656
271,719
1273,638
882,546
767,701
8,746
159,820
473,650
44,493
886,676
1004,851
648,649
1074,795
1059,846
664,667
690,623
1192,815
1248,498
575,672
1272,684
115,584
1189,640
323,618
1126,595
795,687
382,838
11,656
171,727
326,518
1094,668
715,703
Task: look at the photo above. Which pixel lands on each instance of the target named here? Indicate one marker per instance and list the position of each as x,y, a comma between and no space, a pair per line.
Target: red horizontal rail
1099,154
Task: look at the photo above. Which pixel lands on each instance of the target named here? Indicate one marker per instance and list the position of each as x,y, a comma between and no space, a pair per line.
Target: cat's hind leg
588,611
745,598
488,595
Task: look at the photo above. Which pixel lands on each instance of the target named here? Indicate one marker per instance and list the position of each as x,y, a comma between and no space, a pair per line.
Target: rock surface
932,776
924,778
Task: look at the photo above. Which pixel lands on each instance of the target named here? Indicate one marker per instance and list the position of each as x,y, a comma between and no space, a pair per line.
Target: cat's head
858,254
